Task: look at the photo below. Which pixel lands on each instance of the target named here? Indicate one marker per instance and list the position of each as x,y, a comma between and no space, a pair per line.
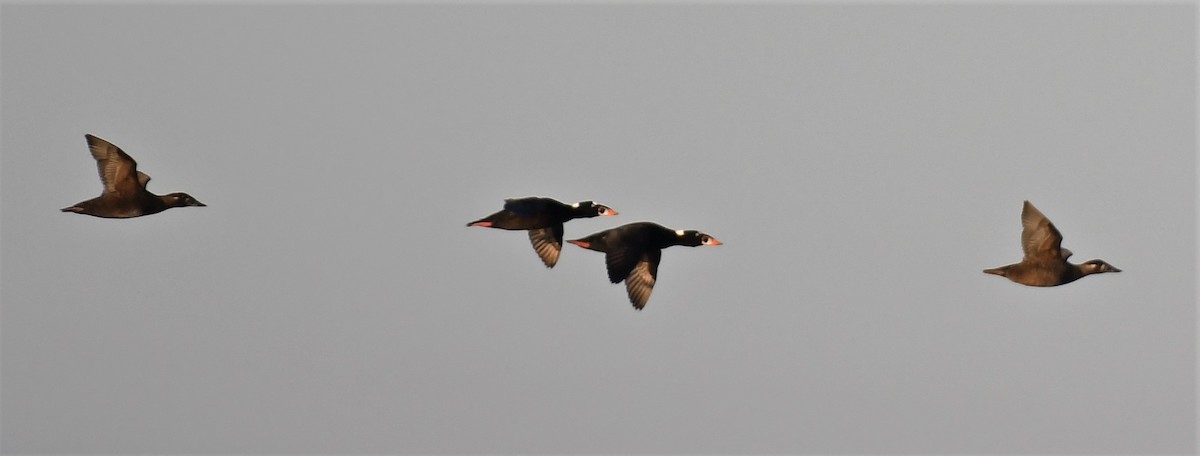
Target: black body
543,218
633,252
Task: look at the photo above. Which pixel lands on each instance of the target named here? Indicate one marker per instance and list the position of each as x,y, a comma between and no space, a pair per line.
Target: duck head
693,238
591,209
181,199
1097,267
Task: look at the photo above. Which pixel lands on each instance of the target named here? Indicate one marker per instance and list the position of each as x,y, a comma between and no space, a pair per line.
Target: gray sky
861,163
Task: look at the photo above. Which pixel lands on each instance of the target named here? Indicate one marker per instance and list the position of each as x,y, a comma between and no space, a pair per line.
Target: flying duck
1045,263
633,251
543,218
125,193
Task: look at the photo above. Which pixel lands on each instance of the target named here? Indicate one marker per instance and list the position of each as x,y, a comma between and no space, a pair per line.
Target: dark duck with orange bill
543,218
633,251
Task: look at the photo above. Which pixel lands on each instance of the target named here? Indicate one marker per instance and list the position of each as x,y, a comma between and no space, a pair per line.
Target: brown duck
125,193
1045,263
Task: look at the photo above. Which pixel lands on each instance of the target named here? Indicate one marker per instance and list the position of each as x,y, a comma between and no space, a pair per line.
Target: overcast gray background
861,163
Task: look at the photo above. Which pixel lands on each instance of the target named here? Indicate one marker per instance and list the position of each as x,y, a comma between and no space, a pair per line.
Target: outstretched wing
118,171
1039,238
640,282
621,261
547,242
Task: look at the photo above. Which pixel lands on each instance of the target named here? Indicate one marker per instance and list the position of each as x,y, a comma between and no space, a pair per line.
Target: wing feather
640,282
117,169
1040,240
547,242
621,261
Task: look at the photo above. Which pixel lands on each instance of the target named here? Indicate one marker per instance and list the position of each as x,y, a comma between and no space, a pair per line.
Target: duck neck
164,202
582,212
1073,272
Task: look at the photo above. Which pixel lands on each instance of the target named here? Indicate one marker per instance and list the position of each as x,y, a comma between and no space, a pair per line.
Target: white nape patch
679,233
576,205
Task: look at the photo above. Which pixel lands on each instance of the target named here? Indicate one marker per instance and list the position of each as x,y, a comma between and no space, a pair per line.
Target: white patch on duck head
576,205
679,233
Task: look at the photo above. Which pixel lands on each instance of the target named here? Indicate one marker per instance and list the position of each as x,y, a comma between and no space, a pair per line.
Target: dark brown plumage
125,193
1045,263
543,218
633,252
